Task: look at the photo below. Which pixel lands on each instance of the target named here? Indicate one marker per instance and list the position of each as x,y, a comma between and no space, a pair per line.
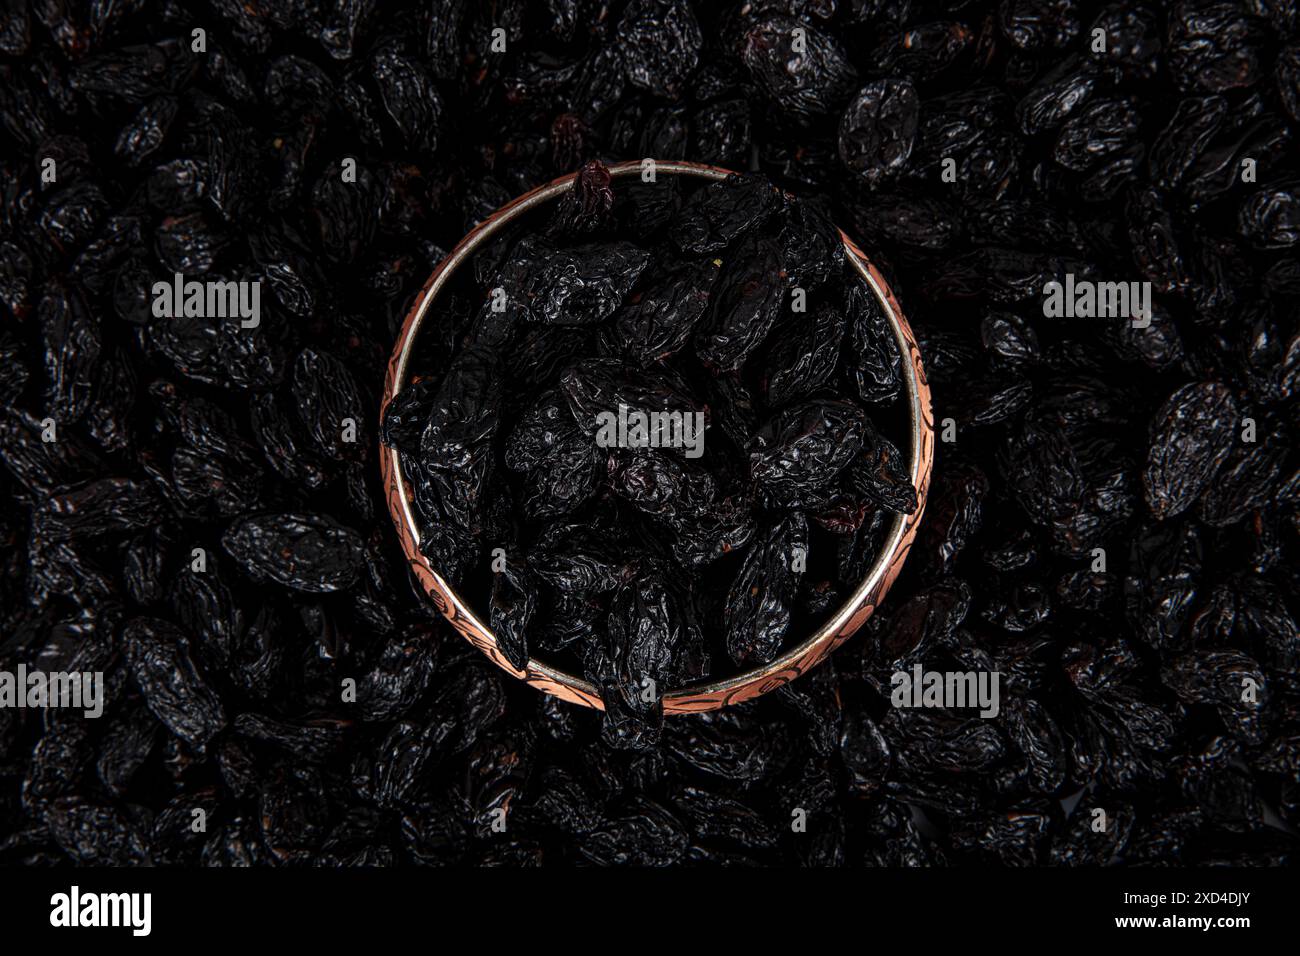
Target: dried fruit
1111,525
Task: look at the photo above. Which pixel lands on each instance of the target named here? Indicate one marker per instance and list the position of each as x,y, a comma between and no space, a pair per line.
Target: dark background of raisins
1121,689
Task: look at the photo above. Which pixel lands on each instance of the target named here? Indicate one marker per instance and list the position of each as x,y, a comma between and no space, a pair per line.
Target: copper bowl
702,695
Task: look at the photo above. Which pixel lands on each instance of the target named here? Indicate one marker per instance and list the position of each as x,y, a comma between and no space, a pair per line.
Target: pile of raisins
193,506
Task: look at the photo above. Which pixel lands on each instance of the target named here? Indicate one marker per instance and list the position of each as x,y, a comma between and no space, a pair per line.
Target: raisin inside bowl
652,432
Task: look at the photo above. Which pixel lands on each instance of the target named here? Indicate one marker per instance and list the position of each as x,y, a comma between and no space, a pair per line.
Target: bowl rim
704,695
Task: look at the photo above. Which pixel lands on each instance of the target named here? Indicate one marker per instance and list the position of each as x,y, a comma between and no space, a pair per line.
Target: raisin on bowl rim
702,695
